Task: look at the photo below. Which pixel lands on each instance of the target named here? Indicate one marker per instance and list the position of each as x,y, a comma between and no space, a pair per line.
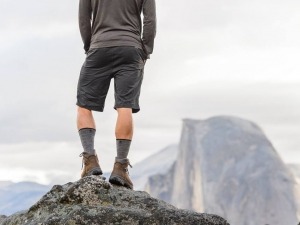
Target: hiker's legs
93,85
127,81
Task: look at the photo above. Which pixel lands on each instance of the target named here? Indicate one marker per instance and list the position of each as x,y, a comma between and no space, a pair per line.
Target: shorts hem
134,109
93,108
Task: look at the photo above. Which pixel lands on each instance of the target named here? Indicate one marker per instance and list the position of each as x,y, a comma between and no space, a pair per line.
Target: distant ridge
19,196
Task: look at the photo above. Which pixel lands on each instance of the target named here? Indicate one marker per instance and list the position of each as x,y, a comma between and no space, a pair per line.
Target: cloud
210,58
36,19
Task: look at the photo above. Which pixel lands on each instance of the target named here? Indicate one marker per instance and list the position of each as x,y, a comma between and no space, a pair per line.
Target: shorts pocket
142,54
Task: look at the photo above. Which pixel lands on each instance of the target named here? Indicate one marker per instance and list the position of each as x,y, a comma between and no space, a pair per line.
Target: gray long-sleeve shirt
108,23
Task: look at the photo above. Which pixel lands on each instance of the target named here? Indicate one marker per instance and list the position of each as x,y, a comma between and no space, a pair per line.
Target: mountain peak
227,166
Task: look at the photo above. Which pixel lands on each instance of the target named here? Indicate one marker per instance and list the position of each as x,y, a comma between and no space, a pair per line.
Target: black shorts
125,64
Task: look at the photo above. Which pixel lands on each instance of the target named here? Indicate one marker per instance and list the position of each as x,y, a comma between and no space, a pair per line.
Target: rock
227,166
2,218
92,200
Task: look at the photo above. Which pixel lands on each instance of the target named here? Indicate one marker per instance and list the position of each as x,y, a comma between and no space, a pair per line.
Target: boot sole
96,172
119,181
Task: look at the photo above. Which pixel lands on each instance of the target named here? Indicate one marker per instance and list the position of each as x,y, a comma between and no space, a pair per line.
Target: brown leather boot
90,165
120,175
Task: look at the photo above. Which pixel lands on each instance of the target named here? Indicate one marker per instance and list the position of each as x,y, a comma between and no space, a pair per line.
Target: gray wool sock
123,146
87,139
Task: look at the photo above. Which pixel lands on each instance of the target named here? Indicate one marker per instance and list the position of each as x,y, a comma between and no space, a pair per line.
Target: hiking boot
90,164
120,175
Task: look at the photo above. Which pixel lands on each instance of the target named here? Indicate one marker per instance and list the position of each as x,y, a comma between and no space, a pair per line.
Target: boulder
92,200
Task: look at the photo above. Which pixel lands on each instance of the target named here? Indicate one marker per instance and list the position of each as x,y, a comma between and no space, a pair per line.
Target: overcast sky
211,57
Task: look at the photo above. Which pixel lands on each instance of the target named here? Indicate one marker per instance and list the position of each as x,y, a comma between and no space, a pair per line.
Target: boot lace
126,169
82,155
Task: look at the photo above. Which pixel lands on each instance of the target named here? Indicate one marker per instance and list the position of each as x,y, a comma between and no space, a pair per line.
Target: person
117,44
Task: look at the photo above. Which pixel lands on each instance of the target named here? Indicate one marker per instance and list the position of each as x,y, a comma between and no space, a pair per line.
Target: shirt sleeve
85,27
149,26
